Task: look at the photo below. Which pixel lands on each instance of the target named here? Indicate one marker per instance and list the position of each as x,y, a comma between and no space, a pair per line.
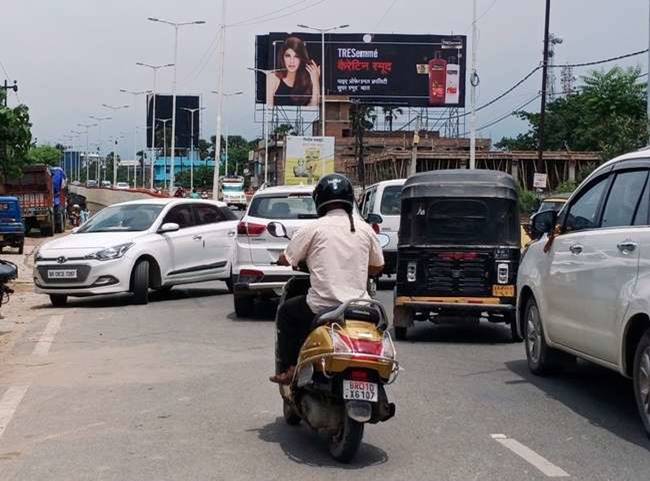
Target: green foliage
15,138
566,187
528,201
607,114
203,176
44,154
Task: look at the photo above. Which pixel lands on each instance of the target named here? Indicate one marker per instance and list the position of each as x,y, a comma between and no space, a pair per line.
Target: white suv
255,273
584,284
138,245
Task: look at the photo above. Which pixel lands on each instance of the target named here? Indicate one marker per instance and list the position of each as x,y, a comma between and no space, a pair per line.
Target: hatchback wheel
542,359
58,300
642,380
244,305
140,283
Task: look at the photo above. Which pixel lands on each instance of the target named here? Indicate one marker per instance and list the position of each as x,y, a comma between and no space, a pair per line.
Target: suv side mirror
168,227
543,223
277,229
374,219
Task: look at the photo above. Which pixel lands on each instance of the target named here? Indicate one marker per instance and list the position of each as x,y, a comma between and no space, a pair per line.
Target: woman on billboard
298,79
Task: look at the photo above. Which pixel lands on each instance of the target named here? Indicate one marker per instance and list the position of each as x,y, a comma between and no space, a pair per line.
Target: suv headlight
111,253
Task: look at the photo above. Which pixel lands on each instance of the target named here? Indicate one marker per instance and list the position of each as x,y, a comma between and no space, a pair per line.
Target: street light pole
155,69
323,31
192,112
473,85
115,108
176,26
77,169
135,93
99,121
164,122
87,127
222,97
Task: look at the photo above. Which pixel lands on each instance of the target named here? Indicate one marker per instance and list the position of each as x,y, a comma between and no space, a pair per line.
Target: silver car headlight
111,253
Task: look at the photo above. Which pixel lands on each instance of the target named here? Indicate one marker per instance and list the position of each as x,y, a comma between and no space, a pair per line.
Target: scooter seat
352,312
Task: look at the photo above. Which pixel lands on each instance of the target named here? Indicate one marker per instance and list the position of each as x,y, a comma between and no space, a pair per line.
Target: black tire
244,305
58,300
400,333
290,416
21,248
230,283
542,359
140,283
344,445
511,319
641,380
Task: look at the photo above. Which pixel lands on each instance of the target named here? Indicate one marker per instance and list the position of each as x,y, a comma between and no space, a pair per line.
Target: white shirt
338,259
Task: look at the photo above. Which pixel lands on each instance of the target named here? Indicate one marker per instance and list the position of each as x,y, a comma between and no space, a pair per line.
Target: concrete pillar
572,170
514,169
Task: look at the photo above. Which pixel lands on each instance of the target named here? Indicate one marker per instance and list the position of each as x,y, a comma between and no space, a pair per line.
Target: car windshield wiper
307,216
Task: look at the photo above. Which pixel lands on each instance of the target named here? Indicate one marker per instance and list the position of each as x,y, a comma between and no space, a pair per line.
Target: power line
273,12
390,7
269,19
598,62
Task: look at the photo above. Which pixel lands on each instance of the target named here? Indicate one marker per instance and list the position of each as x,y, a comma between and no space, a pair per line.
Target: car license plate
360,390
62,274
503,291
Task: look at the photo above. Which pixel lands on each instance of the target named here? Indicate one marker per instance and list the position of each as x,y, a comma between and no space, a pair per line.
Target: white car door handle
627,247
197,237
576,249
232,233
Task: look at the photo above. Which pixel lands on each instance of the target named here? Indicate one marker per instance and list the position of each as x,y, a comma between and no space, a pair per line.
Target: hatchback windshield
122,218
282,207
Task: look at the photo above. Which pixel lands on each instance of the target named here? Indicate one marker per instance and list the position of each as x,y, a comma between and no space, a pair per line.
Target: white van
384,198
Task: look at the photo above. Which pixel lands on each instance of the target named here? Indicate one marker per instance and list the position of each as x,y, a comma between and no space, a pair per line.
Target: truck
232,188
41,193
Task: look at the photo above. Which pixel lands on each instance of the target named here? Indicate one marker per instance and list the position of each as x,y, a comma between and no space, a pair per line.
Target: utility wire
269,19
273,12
598,62
390,7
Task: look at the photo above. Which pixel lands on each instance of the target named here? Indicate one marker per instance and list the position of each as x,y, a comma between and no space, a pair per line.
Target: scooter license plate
360,390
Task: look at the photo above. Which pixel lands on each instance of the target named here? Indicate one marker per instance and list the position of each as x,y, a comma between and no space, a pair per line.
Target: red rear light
358,375
250,275
375,227
249,229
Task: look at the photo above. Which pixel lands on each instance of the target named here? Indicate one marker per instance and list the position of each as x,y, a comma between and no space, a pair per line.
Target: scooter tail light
388,348
339,344
359,375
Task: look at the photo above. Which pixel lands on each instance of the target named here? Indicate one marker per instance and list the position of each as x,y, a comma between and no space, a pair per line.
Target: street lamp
115,108
176,26
192,112
77,169
164,122
99,120
87,127
114,140
323,31
135,94
227,95
155,69
266,134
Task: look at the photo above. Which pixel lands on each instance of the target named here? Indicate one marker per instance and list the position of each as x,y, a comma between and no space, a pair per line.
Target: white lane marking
9,403
43,345
530,456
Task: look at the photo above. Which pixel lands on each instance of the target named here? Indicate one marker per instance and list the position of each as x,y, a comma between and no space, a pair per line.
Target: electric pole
540,145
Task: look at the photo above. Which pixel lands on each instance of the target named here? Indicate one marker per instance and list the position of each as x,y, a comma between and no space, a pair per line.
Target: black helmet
331,189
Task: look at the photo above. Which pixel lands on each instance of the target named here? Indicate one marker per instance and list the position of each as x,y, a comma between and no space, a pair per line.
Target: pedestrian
195,194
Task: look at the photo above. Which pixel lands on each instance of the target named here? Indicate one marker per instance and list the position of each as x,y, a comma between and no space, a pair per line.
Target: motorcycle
343,368
8,272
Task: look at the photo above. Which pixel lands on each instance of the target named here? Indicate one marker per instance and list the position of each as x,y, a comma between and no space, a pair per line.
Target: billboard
183,119
378,69
306,157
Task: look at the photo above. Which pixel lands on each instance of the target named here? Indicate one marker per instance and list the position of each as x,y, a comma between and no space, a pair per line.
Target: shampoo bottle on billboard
452,90
437,80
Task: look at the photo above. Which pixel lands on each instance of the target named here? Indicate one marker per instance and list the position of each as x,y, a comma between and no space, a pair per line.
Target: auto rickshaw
458,250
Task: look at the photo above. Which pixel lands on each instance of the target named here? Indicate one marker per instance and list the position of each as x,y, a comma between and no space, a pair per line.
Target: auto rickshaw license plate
360,390
503,291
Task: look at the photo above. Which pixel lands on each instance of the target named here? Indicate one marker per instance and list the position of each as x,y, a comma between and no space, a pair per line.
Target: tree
44,154
362,118
607,114
282,131
15,138
203,176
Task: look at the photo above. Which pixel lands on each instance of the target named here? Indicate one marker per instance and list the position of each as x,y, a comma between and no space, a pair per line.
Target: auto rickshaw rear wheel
400,333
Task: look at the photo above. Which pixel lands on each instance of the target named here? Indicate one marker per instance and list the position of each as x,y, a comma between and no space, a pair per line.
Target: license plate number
62,274
503,291
360,390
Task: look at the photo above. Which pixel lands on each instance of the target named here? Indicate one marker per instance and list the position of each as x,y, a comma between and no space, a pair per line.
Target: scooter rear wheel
289,413
345,444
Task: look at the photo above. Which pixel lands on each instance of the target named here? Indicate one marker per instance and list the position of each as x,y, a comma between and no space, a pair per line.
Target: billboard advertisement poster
378,69
183,119
306,157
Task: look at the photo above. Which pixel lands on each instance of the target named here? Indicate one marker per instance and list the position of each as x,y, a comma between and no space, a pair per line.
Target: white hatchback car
138,245
584,284
256,273
384,199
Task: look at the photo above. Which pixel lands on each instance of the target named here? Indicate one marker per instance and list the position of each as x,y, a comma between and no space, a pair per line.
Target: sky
71,56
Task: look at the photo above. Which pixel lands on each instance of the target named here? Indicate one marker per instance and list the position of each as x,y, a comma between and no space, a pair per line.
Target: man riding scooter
340,255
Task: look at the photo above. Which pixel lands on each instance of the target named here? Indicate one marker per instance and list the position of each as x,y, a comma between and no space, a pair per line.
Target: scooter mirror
276,229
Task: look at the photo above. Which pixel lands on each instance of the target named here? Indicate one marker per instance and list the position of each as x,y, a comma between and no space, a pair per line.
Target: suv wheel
542,359
244,305
642,379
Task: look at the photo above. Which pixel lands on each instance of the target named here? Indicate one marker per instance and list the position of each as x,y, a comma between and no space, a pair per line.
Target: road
178,390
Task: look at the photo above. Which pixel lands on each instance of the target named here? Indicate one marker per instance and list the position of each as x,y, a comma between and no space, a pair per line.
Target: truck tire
140,283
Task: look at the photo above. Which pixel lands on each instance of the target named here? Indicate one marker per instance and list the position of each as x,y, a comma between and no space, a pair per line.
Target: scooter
342,370
8,272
